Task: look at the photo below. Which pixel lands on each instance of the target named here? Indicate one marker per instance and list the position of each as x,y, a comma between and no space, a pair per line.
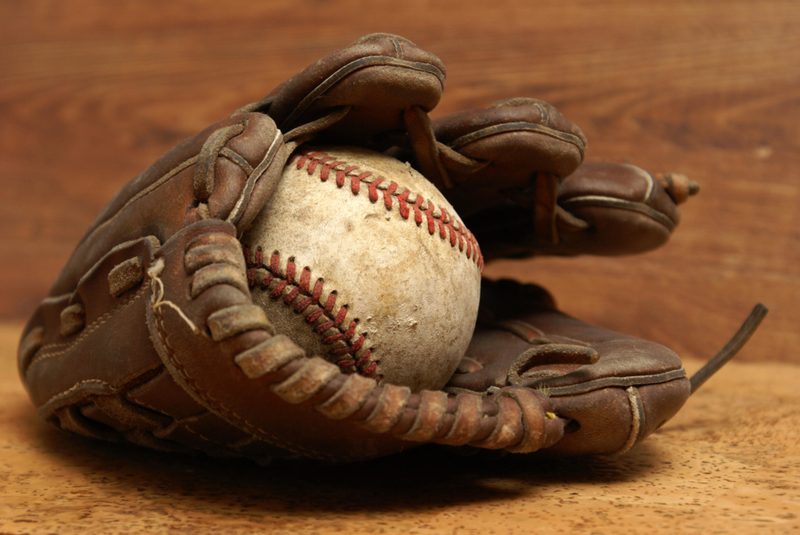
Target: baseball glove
150,334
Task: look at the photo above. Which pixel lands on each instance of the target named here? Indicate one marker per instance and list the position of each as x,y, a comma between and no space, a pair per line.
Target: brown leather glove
522,190
611,389
150,334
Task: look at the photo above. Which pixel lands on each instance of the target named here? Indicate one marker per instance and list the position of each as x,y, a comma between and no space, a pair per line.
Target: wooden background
91,92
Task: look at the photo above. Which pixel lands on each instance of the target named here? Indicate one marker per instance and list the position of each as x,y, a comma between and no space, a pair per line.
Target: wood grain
92,92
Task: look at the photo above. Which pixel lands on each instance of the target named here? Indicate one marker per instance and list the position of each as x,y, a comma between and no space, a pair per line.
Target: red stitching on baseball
322,327
251,277
341,315
304,304
312,295
343,173
330,303
268,278
274,264
339,352
373,189
402,205
417,207
365,358
314,316
332,338
301,162
370,370
429,215
278,290
445,223
326,169
290,267
317,289
358,343
292,295
351,331
355,181
387,195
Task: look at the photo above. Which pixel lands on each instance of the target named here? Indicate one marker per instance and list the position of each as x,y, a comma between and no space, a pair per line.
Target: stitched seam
324,316
183,423
86,332
349,68
144,404
246,425
602,201
518,127
620,382
159,410
408,203
73,388
196,433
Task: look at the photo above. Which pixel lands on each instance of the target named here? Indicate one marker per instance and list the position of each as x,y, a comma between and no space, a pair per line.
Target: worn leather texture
151,333
613,390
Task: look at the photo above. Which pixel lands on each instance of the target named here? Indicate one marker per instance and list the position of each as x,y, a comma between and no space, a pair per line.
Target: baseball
359,259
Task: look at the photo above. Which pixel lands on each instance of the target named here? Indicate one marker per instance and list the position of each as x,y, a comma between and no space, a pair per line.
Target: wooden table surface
92,92
727,463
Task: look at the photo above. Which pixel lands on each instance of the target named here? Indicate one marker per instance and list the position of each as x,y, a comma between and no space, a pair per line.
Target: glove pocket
620,209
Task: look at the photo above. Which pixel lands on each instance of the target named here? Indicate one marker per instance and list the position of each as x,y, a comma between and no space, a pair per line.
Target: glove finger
376,78
603,209
518,140
613,420
625,209
558,147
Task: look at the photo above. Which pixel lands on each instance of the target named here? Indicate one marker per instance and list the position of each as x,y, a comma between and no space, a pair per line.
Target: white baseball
360,260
